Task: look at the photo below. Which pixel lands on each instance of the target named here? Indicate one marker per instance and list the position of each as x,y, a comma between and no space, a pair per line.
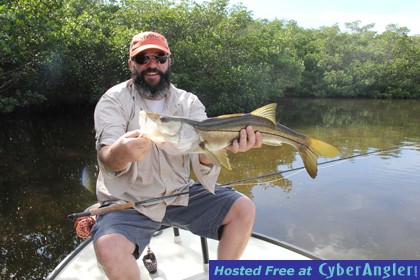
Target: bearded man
133,168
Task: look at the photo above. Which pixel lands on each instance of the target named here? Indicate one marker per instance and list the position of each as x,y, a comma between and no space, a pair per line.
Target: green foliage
361,63
70,51
28,31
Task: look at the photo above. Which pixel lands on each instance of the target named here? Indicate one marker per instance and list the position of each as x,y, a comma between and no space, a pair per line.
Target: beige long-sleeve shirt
159,173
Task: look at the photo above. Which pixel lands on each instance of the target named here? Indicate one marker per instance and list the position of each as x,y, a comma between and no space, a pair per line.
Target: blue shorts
203,216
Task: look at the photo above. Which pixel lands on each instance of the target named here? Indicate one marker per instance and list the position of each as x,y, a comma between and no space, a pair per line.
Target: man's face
151,73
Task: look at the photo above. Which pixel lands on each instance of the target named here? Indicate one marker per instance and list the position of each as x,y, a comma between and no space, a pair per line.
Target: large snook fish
178,135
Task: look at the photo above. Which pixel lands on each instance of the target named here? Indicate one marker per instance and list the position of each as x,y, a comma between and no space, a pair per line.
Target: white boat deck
176,260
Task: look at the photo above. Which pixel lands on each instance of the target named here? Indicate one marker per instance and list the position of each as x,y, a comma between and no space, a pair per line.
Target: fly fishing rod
121,206
127,205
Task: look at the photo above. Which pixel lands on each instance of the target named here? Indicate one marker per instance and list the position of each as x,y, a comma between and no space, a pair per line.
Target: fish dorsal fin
267,112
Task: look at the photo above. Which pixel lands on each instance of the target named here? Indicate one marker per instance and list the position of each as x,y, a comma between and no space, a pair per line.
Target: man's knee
242,210
111,246
246,207
114,253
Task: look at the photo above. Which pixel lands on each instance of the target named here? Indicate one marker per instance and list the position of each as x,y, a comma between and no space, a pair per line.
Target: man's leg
117,236
237,229
207,212
115,254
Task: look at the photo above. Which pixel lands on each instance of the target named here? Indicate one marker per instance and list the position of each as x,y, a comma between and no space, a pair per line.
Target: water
362,208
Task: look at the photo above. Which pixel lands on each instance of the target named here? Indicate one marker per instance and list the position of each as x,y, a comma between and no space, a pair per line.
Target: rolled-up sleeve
110,122
206,175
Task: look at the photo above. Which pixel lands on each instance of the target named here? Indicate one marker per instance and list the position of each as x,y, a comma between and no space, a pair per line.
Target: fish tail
322,148
310,152
310,160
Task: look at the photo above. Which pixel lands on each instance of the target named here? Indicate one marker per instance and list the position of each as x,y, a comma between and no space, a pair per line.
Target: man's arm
248,139
130,147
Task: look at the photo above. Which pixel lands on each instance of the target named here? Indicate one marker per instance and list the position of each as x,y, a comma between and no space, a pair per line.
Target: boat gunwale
286,245
63,264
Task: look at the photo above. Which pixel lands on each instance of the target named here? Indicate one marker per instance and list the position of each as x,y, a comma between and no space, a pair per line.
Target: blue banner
314,269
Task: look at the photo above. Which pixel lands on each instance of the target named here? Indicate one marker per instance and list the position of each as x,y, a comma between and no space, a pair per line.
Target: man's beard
149,91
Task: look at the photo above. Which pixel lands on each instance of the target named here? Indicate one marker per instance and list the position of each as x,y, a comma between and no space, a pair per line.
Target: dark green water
366,207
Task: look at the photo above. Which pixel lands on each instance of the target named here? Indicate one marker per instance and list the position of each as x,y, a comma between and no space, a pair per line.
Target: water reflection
364,207
41,161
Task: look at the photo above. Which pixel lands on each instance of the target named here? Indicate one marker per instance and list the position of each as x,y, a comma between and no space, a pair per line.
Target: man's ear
131,66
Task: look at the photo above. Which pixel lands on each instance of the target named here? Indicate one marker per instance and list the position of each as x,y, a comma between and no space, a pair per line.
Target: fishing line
269,181
300,169
241,182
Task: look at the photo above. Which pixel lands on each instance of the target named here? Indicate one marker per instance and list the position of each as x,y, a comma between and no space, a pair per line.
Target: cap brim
148,47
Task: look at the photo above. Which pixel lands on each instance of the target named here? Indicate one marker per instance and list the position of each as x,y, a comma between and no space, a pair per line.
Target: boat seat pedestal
204,248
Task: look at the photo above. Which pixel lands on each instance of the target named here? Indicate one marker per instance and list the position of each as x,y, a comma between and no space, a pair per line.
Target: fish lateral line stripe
262,132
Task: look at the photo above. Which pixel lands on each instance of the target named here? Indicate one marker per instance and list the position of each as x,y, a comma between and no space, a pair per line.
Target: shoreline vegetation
66,53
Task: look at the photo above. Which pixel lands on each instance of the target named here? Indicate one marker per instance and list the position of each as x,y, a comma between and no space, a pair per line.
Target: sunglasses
160,58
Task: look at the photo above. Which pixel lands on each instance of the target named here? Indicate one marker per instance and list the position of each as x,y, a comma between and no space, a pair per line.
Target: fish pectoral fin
212,158
267,112
218,158
223,158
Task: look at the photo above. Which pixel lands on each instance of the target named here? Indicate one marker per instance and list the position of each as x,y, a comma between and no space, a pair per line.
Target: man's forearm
204,160
111,160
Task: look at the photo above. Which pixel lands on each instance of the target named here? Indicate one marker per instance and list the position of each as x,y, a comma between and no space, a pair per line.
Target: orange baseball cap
148,40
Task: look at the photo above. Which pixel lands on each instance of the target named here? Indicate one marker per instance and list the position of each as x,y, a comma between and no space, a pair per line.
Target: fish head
174,135
157,127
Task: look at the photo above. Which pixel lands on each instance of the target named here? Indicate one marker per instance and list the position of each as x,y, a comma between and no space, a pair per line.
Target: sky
317,13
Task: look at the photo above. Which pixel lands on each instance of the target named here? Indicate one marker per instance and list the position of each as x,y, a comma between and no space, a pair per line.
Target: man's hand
248,139
130,147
